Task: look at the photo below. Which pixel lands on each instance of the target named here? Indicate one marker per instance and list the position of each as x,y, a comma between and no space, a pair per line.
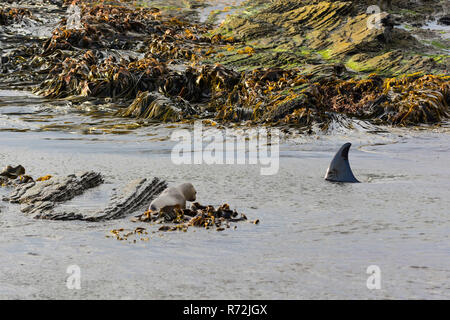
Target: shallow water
315,240
218,10
432,34
442,29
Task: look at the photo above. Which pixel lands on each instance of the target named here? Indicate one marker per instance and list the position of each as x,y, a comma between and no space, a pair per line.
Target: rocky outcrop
156,106
288,33
137,194
445,20
276,62
41,199
38,197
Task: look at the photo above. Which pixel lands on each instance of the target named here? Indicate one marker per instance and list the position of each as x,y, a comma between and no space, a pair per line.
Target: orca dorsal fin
339,169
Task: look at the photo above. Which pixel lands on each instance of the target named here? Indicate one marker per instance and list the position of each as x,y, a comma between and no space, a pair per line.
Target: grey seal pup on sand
174,196
339,169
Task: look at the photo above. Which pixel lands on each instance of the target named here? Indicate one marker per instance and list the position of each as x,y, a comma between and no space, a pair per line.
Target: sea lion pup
173,197
339,169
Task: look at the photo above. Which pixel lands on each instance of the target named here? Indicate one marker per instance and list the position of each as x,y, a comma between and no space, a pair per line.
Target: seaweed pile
12,15
278,96
198,216
97,61
295,63
123,234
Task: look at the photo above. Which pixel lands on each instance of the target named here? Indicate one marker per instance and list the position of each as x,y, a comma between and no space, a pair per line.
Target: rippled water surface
315,240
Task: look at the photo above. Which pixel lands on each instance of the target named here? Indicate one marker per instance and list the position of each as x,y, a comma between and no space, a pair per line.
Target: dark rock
445,20
58,189
41,199
13,172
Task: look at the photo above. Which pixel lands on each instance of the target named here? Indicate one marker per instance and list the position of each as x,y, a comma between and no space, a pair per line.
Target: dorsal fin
339,169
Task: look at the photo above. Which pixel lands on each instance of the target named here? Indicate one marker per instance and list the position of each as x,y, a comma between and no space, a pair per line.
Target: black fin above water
339,169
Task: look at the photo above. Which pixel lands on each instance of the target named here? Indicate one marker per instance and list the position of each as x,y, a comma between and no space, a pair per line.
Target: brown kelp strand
138,234
110,77
335,46
153,105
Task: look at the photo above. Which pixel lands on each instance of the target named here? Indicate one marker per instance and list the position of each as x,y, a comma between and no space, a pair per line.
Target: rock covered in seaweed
301,63
289,97
156,106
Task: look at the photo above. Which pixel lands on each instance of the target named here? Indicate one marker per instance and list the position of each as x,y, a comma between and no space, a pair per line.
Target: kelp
414,99
197,215
112,77
182,92
158,67
406,100
12,176
13,15
106,26
84,61
158,107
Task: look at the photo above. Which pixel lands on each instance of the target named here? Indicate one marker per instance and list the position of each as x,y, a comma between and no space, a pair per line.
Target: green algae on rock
331,30
303,37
